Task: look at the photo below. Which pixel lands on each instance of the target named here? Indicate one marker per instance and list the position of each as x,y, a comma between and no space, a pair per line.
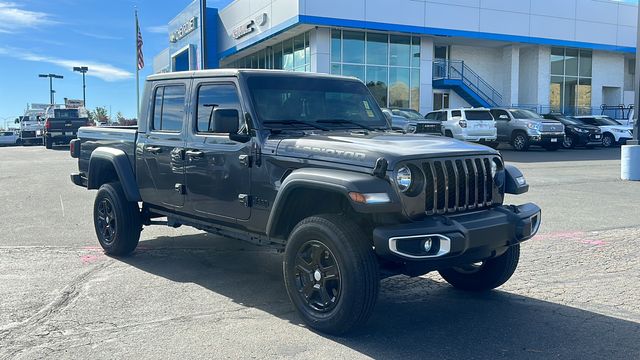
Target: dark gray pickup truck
306,164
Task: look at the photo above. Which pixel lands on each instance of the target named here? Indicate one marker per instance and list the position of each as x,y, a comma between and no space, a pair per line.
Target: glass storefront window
292,54
353,47
388,64
570,88
299,53
287,55
377,77
399,87
400,50
377,49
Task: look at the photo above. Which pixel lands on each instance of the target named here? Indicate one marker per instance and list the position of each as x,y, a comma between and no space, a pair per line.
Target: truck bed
115,137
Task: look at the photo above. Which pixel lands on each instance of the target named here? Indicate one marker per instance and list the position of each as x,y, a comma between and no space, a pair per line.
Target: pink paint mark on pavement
89,259
594,242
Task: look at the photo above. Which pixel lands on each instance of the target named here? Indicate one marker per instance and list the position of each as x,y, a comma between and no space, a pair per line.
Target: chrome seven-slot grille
551,128
455,185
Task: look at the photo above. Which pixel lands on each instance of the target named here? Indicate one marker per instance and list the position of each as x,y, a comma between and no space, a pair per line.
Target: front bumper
456,239
587,139
547,138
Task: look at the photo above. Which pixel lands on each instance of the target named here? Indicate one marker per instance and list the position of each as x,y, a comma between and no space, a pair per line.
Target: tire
520,141
345,301
608,140
112,210
569,142
491,274
48,143
448,133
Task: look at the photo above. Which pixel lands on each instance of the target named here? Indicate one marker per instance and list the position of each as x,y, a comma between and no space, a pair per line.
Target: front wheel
608,140
520,142
485,275
331,273
569,142
116,220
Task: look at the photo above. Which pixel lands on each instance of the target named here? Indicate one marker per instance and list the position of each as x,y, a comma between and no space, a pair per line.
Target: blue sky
52,36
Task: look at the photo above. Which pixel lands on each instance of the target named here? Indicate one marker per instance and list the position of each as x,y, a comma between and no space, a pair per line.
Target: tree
101,114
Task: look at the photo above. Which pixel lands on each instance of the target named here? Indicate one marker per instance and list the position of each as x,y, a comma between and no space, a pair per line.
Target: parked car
468,124
61,126
306,164
613,133
410,124
577,133
423,126
8,138
522,128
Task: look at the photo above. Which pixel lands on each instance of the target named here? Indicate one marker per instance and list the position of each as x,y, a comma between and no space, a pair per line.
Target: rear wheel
520,141
116,220
331,273
485,275
608,140
569,142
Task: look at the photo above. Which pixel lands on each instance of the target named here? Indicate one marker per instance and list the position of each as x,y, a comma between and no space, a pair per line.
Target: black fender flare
338,181
122,165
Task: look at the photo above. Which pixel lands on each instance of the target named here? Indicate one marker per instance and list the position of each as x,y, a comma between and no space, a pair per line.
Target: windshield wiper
343,121
296,122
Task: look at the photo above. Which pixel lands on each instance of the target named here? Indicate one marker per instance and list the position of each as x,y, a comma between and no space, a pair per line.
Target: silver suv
523,128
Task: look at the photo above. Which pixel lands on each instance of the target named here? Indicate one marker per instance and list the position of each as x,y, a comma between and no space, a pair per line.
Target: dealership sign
73,103
249,27
184,30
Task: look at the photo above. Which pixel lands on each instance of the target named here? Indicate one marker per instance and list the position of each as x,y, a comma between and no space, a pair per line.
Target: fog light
427,245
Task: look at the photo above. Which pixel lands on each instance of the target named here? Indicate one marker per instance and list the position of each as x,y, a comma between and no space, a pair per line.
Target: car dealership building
550,55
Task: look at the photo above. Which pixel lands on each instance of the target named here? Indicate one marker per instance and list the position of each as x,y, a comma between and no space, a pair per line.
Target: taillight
47,125
463,123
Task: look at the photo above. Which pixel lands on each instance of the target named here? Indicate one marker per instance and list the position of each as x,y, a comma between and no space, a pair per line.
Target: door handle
195,154
154,149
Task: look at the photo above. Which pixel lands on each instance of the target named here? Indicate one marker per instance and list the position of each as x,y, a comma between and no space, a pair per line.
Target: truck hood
363,149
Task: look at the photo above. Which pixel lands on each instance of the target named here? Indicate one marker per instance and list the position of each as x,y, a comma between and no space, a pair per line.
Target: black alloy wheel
569,142
608,141
106,221
317,276
520,142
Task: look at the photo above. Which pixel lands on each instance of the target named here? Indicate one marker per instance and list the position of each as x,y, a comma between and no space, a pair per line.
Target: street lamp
51,77
83,70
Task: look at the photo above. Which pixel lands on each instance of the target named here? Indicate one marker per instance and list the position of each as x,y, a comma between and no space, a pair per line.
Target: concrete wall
593,21
608,74
535,77
240,12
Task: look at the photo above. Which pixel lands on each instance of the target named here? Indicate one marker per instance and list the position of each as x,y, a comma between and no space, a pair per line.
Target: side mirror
503,117
225,121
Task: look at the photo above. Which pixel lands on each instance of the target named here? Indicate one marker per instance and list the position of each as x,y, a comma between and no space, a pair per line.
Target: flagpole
137,69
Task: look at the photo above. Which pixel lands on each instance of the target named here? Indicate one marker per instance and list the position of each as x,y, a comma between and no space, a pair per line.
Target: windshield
570,121
606,121
478,115
408,114
524,114
309,99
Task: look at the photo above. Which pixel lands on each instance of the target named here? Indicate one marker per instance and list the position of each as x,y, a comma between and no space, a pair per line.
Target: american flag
140,43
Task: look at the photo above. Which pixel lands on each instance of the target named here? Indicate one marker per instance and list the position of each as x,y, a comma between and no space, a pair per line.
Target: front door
502,124
440,100
161,177
218,169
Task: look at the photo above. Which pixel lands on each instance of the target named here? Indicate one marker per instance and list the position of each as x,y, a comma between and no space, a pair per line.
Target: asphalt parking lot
187,294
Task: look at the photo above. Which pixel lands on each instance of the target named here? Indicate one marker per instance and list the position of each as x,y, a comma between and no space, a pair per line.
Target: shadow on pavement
414,318
536,155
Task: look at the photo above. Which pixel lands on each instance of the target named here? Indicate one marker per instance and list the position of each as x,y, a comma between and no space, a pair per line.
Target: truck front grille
551,128
457,185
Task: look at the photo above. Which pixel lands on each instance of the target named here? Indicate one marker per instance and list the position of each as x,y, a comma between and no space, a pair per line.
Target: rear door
162,146
218,169
502,124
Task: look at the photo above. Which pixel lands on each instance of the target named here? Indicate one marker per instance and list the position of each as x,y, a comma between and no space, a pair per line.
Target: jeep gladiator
306,164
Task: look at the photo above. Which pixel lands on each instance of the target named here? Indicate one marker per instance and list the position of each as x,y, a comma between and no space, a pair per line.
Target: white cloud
100,70
13,18
98,36
160,29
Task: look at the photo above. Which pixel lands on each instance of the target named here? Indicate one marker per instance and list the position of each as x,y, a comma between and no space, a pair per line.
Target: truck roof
235,72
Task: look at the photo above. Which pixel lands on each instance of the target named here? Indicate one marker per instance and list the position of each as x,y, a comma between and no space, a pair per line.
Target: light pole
51,92
83,70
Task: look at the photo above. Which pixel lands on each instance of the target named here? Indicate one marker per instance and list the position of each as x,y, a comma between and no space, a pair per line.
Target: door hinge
245,199
245,160
180,189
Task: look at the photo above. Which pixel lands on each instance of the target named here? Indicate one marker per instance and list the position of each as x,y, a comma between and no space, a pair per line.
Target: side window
590,121
216,96
456,113
169,108
497,113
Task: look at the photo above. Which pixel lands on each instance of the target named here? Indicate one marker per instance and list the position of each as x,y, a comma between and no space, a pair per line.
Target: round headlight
496,166
403,178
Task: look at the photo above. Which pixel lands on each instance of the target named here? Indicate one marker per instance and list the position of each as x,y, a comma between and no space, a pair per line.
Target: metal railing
458,70
618,112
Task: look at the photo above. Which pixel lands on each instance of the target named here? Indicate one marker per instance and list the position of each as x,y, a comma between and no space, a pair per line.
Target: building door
181,61
440,100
